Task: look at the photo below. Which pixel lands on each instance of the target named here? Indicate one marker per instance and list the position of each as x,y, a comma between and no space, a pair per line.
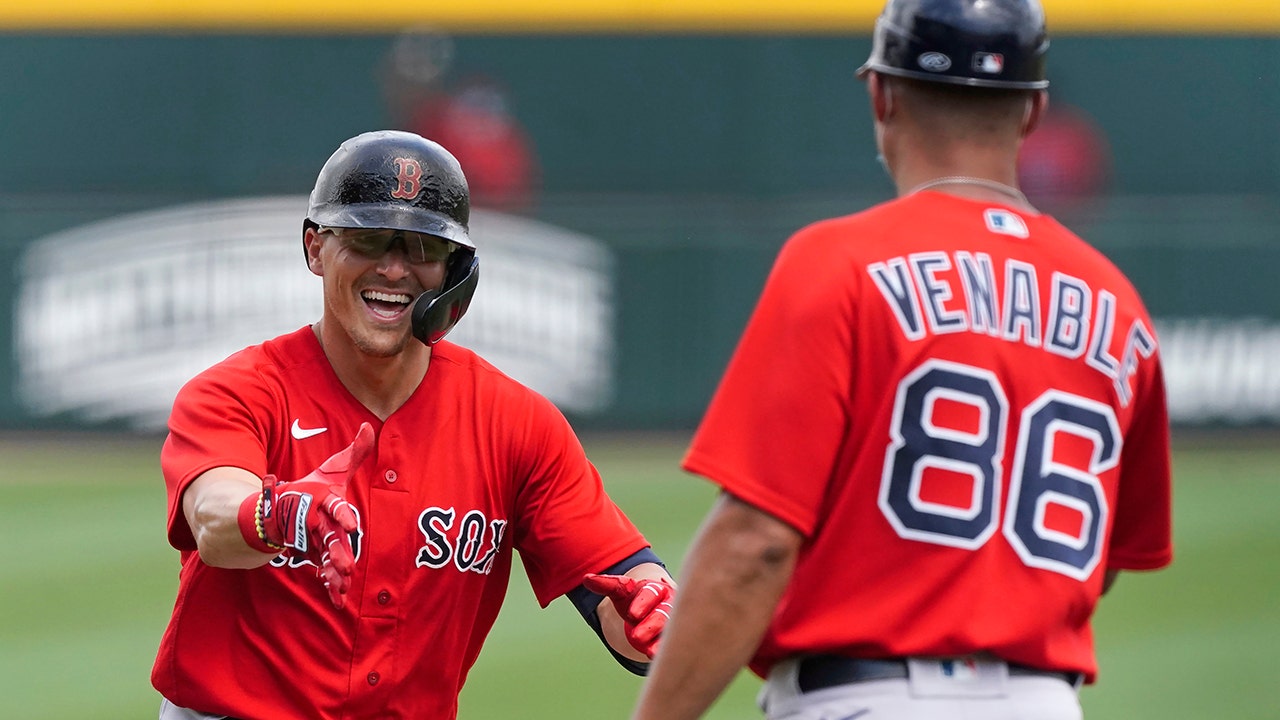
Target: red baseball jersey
473,466
961,407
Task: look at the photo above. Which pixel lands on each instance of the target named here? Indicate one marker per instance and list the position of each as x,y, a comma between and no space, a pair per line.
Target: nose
394,263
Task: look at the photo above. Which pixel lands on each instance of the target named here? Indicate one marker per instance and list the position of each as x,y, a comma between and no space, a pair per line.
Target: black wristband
588,604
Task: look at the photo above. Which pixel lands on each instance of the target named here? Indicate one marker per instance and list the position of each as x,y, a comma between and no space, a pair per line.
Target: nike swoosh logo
301,433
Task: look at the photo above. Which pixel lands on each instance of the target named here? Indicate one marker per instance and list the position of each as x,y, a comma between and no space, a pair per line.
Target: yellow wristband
257,521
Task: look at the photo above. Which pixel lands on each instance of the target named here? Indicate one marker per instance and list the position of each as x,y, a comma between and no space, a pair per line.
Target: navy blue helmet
403,181
979,43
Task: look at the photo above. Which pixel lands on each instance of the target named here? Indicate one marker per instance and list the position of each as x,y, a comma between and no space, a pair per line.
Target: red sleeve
211,425
773,431
1141,535
568,525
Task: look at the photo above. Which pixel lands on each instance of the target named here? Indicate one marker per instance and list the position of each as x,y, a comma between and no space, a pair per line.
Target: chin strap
435,312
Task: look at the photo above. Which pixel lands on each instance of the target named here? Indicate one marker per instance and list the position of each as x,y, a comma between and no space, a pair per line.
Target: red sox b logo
409,175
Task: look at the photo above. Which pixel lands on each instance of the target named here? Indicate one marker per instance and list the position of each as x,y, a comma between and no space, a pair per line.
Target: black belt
823,671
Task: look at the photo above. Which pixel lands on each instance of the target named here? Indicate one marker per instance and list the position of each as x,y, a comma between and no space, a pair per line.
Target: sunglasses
373,243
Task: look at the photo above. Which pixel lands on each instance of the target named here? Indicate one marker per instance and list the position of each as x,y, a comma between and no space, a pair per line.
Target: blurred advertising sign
113,317
1221,370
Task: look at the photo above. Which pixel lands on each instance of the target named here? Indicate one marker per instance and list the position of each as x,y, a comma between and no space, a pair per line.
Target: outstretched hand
310,517
645,606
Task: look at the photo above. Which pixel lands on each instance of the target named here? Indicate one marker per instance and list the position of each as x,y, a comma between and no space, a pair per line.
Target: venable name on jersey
1080,322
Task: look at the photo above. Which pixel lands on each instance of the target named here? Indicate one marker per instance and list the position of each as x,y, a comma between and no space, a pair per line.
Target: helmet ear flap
435,312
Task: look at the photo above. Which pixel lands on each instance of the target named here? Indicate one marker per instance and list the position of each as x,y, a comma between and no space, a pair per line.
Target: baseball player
346,497
943,431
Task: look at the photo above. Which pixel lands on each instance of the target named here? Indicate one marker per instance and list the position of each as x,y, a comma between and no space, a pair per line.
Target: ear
882,101
1037,106
311,244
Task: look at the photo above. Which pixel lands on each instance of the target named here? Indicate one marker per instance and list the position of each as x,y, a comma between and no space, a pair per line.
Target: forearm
733,577
611,623
212,505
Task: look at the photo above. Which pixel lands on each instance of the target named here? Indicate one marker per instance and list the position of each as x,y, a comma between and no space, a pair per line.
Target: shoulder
467,369
512,411
821,254
1091,264
464,361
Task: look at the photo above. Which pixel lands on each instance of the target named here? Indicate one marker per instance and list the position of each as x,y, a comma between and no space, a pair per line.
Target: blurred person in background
347,497
473,117
943,432
1064,166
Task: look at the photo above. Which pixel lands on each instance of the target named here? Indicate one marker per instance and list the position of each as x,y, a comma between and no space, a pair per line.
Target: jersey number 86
1037,482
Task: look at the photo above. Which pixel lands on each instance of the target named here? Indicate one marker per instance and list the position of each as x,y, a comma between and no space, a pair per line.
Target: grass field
88,581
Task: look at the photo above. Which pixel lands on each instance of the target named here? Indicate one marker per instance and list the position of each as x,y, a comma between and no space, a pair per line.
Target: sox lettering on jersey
920,290
471,547
466,548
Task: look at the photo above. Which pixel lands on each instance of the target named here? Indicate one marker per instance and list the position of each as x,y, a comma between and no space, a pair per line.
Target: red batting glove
645,606
311,518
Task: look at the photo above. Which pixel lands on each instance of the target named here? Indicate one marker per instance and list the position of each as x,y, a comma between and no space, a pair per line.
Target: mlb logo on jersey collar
1006,223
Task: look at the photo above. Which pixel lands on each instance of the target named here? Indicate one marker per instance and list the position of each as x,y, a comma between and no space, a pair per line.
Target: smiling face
370,284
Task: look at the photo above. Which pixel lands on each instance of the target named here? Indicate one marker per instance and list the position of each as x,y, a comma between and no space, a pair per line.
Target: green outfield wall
683,159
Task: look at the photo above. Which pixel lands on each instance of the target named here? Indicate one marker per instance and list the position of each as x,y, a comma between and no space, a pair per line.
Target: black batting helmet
403,181
980,43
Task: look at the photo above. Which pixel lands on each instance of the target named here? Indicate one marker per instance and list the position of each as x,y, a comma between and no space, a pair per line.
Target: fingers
648,596
645,606
649,613
336,562
343,463
342,513
620,590
332,543
361,446
337,550
614,587
645,635
335,584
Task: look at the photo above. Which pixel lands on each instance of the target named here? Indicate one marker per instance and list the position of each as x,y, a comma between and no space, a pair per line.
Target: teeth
386,297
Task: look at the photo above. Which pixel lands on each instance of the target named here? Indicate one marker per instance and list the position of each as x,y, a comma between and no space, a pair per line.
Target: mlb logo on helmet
989,63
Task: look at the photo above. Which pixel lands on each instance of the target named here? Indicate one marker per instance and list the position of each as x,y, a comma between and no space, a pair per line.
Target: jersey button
390,476
384,597
373,678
